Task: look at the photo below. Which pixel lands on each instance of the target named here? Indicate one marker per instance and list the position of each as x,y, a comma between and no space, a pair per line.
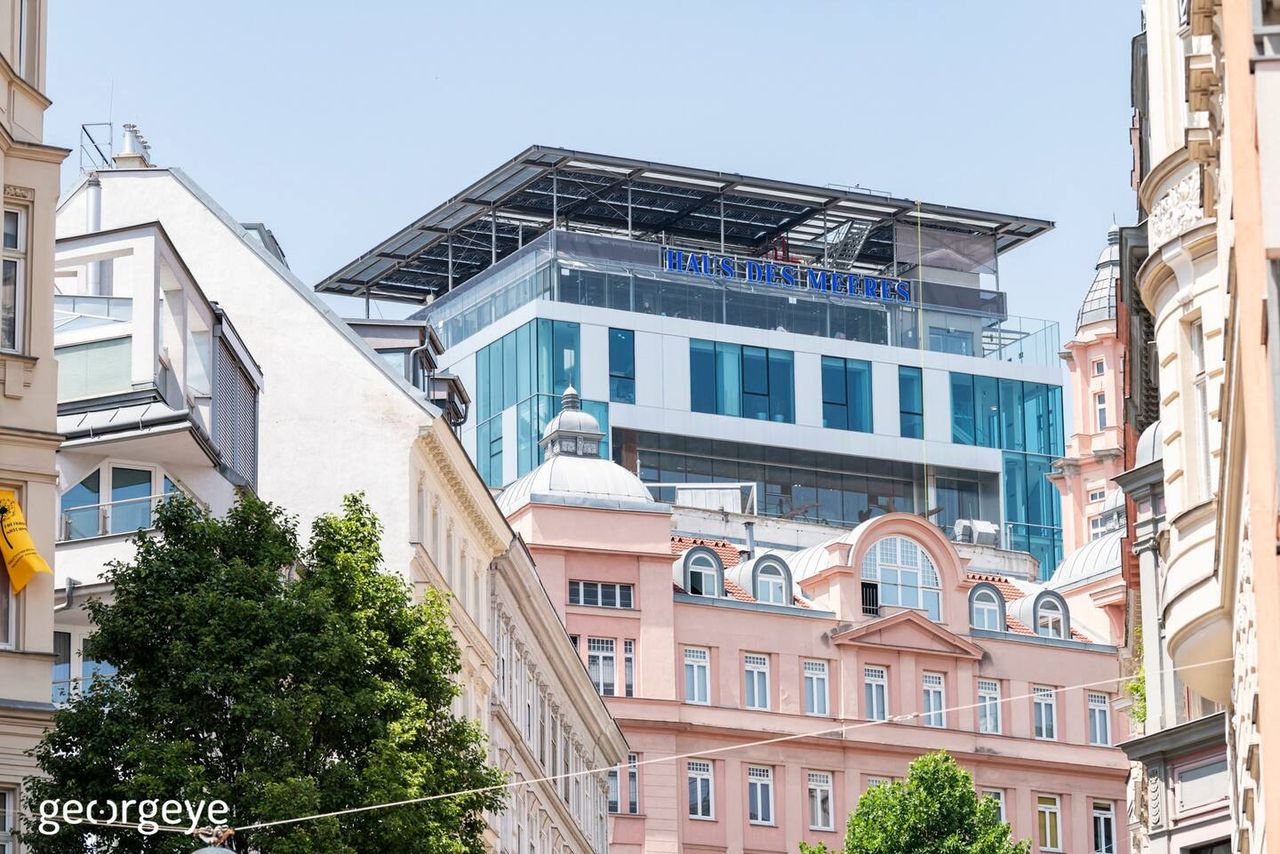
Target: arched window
985,610
702,575
905,575
1050,620
771,585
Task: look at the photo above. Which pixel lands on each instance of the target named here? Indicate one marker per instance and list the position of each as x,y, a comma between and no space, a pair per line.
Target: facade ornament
1177,210
24,194
1155,796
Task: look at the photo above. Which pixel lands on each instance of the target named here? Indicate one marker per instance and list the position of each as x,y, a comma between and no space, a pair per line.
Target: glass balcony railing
81,311
112,517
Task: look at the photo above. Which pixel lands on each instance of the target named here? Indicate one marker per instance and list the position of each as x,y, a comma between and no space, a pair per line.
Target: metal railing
113,517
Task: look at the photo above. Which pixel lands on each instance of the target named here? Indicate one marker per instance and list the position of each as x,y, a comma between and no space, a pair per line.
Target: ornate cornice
463,493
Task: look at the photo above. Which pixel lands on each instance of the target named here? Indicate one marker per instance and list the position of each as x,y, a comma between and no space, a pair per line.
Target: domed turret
573,472
1100,300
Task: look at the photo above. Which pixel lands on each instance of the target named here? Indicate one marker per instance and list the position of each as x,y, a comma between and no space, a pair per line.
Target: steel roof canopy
518,201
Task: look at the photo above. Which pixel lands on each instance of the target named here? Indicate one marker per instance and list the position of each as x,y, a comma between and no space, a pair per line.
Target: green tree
934,811
283,681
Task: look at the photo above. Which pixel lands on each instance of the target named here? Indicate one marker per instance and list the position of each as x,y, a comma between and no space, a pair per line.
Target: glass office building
832,354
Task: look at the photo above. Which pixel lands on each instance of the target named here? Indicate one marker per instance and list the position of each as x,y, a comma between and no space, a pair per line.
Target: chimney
133,152
750,528
93,224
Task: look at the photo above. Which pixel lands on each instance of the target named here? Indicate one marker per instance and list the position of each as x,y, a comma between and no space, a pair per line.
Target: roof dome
1150,446
1100,300
573,472
1095,558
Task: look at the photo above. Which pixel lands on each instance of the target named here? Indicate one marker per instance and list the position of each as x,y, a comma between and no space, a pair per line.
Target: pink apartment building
863,652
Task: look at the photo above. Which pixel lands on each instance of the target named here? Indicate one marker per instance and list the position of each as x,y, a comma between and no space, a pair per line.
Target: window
633,784
1100,409
760,795
1099,367
906,575
985,611
911,402
629,667
1199,382
1096,495
601,665
622,365
934,701
1046,713
701,791
697,675
771,585
815,688
989,706
1049,820
61,668
874,693
13,285
8,806
757,681
996,795
820,814
846,394
955,499
1099,719
1049,618
740,380
704,576
601,593
1097,529
613,790
1104,828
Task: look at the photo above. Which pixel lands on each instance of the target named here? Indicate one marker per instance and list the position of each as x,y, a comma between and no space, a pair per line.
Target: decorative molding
1155,796
1177,210
459,488
25,194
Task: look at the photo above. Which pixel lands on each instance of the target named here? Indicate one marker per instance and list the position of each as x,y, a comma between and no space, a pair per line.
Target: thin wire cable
553,778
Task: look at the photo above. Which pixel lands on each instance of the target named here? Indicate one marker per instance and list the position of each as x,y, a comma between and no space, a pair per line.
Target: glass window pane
859,382
702,375
130,499
834,389
729,387
11,230
781,392
963,430
986,411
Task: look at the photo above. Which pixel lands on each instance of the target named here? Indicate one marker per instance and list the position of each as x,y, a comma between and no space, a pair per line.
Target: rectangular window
601,665
1049,823
1200,385
874,693
8,806
741,380
1046,713
933,701
697,675
1099,367
622,365
601,594
815,688
629,667
1104,828
701,790
1096,527
911,402
613,790
996,795
1096,495
90,670
760,795
1099,719
13,285
821,816
846,394
61,668
1100,409
633,784
989,706
757,681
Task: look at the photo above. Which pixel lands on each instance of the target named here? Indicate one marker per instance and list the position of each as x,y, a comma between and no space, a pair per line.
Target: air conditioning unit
979,532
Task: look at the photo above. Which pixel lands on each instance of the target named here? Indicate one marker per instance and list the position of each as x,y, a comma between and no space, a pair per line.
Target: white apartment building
331,418
28,394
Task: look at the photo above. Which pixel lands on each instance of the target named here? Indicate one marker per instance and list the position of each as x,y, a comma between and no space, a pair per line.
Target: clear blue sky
338,123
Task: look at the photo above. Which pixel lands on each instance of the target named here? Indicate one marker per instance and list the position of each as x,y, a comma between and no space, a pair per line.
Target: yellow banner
16,547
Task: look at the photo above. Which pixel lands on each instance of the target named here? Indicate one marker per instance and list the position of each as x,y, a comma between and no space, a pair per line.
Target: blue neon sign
785,275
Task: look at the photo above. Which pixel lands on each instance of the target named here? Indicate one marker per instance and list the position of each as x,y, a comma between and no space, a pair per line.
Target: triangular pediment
913,632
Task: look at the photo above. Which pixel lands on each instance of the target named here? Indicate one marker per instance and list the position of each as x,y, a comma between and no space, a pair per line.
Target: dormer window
905,575
771,585
1050,620
703,576
985,610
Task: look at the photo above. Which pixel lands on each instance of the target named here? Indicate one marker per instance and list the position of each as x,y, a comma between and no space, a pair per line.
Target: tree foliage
934,811
283,681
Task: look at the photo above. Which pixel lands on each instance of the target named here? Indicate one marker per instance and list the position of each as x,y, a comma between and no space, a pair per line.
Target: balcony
1193,606
110,518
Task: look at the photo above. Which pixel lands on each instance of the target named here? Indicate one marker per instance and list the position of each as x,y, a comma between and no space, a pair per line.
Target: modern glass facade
740,380
1024,420
846,394
528,368
622,366
910,402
